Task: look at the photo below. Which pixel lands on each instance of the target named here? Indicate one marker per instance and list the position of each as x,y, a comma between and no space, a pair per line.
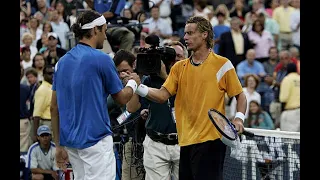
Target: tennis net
270,155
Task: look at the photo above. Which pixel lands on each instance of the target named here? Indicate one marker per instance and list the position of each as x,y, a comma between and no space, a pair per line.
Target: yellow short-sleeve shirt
198,89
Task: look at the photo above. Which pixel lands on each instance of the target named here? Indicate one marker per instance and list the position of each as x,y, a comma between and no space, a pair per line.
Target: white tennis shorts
94,163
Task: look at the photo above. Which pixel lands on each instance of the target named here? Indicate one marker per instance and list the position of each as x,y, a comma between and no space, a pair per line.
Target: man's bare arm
55,119
123,96
241,103
158,95
241,110
133,105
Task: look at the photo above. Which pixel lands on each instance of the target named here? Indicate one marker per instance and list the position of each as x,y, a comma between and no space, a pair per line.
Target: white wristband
240,115
142,90
132,83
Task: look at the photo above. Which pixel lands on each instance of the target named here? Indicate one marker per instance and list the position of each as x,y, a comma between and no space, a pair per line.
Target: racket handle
248,133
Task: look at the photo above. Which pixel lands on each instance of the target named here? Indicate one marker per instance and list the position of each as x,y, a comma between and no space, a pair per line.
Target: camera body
149,59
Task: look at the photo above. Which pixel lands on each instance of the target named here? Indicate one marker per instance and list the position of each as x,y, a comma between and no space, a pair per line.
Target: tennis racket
225,126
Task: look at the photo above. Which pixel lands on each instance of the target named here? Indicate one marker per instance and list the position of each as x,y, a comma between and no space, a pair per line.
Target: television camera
149,59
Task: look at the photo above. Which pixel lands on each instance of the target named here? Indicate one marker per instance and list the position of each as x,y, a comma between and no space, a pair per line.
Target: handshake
133,80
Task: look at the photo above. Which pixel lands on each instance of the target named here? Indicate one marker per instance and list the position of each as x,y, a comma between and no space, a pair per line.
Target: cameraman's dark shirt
160,118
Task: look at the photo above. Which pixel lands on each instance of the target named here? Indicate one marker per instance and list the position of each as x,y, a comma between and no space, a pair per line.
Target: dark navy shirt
160,117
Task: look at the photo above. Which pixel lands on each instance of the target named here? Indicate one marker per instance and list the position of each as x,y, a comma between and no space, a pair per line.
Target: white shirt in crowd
164,8
294,21
26,65
254,96
33,51
36,158
61,29
160,24
214,21
204,13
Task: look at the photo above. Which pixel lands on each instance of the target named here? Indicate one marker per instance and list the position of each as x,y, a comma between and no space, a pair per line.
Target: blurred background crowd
260,37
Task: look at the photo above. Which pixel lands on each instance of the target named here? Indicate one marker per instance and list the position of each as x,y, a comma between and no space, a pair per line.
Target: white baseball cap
53,34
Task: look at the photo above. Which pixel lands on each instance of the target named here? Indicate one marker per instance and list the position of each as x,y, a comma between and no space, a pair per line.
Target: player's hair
203,25
84,18
124,55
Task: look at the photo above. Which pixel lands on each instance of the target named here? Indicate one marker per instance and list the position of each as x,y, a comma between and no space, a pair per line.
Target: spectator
266,91
23,25
158,25
27,39
25,127
25,6
41,156
257,7
43,9
238,10
118,37
69,5
136,8
219,29
39,16
278,75
201,9
270,25
295,24
35,30
221,8
290,96
250,66
234,44
164,7
261,40
26,57
282,15
293,54
53,52
63,16
127,14
250,85
273,60
42,100
258,118
39,64
60,28
248,25
271,6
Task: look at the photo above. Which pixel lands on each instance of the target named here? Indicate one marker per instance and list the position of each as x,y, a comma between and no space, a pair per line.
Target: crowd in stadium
260,37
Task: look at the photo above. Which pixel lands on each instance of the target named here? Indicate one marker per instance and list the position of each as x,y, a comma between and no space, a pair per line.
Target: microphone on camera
153,40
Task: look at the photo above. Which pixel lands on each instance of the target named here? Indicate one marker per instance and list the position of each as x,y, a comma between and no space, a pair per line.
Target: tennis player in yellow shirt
200,83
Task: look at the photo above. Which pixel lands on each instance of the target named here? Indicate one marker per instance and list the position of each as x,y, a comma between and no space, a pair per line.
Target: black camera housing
149,59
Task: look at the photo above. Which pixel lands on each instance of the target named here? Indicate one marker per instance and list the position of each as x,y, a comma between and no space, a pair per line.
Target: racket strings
223,124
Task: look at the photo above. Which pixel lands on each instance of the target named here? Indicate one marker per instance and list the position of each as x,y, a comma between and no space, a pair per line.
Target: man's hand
163,72
135,77
144,114
238,123
62,158
125,76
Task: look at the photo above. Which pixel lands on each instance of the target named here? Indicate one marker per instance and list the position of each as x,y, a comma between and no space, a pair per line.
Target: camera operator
161,149
124,62
111,11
